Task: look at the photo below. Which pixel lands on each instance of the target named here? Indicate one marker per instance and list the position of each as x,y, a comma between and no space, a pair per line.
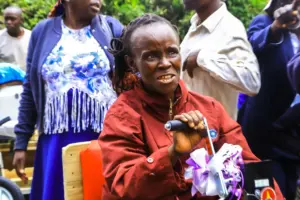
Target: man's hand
191,63
286,15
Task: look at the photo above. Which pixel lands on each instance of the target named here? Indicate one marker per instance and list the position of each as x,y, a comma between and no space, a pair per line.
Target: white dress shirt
227,64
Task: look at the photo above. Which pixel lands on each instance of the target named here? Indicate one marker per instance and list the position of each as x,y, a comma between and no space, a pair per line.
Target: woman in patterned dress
67,90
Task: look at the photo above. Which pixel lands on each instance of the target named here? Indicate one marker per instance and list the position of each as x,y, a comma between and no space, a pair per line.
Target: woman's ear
130,63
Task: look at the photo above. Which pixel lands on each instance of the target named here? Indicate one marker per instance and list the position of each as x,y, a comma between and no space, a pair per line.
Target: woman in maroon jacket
141,159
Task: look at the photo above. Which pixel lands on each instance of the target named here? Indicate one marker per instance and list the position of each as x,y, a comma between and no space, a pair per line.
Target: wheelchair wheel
9,190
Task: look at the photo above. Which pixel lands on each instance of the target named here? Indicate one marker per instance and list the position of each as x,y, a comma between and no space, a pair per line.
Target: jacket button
105,47
150,160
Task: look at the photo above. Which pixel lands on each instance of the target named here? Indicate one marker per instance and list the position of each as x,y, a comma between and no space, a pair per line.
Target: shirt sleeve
259,34
293,71
234,64
27,111
129,169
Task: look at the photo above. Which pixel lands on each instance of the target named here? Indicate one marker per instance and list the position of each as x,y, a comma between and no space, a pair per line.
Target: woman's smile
166,79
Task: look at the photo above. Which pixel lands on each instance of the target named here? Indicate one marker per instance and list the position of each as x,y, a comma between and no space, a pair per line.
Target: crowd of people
89,77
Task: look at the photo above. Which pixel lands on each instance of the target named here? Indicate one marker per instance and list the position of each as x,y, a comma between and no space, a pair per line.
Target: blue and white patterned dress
78,94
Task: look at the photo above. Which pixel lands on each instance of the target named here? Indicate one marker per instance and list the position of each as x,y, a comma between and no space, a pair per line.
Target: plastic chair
82,170
72,173
93,179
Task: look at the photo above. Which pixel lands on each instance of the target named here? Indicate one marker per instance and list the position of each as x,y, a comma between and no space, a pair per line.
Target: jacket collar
160,105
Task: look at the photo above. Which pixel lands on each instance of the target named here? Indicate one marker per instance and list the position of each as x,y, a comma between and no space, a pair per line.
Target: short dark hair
16,9
125,77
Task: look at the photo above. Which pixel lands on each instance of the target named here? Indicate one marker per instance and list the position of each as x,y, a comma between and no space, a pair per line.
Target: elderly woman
141,159
67,90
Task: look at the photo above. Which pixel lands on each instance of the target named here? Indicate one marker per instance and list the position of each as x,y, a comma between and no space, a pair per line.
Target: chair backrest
72,173
91,164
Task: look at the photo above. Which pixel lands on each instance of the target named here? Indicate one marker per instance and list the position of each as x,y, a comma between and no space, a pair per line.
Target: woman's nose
165,63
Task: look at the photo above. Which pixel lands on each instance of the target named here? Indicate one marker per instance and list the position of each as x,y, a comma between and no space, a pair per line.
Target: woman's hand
19,164
185,141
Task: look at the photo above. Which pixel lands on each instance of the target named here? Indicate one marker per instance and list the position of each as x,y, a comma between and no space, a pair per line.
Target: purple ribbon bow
201,170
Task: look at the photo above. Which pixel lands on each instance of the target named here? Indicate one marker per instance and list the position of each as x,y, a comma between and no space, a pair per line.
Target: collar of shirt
4,31
212,21
159,104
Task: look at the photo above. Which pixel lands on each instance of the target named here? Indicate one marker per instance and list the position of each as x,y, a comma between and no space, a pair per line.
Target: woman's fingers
181,118
20,171
190,119
201,122
196,118
193,118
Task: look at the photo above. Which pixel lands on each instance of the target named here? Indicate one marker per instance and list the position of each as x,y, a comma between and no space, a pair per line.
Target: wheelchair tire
9,190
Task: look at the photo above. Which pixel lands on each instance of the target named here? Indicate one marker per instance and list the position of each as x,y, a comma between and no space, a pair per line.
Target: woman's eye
173,53
150,57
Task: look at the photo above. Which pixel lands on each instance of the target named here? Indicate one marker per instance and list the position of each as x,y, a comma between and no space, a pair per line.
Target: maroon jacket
134,143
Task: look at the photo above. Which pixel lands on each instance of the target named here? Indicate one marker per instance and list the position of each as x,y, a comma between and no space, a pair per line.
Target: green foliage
126,10
34,10
245,10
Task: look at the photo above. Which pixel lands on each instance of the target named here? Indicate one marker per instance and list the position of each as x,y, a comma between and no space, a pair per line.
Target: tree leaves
33,10
245,10
126,10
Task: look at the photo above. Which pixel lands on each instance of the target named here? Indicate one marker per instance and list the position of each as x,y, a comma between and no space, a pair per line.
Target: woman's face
155,54
85,9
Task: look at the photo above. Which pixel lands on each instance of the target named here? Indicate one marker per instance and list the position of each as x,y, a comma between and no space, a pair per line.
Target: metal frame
1,164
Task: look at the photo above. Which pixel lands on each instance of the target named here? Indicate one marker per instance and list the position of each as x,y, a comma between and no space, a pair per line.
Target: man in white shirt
218,59
14,39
